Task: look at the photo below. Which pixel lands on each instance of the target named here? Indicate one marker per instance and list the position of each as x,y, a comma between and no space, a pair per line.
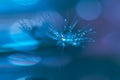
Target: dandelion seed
70,38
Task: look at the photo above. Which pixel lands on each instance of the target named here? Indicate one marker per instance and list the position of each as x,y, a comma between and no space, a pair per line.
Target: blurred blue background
23,58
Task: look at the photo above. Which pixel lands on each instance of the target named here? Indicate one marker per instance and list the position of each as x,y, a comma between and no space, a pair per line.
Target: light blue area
20,44
23,41
25,2
23,59
23,78
16,5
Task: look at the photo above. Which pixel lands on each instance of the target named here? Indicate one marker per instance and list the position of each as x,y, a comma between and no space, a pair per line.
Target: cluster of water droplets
68,37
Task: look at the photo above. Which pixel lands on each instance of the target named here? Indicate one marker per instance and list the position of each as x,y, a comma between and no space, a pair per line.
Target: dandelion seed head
68,37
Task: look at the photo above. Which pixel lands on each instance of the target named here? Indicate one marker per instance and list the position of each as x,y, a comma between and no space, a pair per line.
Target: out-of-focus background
23,58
